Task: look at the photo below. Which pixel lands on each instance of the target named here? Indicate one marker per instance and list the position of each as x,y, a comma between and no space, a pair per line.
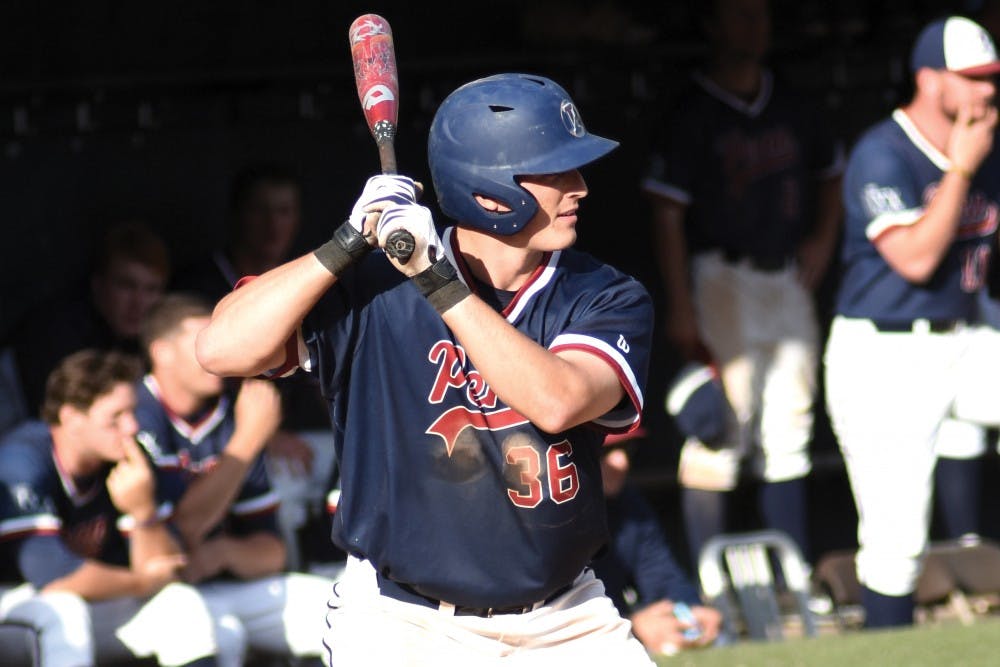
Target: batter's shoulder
583,271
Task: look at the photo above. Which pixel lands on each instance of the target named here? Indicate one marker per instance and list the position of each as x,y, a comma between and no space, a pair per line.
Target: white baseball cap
956,44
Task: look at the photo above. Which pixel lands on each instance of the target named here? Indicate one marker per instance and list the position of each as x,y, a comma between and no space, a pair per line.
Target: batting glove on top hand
356,236
417,220
379,192
427,266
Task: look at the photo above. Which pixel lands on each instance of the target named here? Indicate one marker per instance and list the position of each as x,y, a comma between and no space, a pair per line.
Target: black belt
403,593
767,264
910,326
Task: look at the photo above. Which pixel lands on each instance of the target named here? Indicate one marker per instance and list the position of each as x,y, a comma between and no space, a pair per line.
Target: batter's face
956,91
174,356
125,293
553,226
269,222
100,430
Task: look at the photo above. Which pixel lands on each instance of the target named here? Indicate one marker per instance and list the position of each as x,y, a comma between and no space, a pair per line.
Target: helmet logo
571,119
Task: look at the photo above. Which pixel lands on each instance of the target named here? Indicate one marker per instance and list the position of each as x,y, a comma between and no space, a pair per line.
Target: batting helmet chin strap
492,130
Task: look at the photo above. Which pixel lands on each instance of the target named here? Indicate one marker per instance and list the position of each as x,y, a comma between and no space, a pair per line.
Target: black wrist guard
440,285
347,246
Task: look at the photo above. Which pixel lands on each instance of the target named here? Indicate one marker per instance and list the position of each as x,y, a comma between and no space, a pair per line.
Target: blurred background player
78,519
922,195
469,388
129,274
263,222
639,564
745,196
206,445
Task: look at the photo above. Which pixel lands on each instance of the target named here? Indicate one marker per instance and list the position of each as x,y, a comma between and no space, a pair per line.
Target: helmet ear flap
492,130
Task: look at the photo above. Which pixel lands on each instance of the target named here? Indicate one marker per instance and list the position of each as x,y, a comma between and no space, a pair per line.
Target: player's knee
64,625
231,640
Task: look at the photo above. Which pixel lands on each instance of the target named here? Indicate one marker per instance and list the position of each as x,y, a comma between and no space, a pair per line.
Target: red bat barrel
374,58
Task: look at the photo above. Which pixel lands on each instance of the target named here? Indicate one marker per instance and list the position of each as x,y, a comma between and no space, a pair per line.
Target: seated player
79,522
206,446
640,559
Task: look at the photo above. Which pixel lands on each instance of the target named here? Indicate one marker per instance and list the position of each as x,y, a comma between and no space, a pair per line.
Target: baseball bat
375,75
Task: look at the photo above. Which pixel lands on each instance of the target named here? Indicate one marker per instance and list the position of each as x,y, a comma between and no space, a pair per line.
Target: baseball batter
745,199
470,390
206,446
922,197
78,518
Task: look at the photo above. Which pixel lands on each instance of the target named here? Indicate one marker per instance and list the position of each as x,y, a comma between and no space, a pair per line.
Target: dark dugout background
112,110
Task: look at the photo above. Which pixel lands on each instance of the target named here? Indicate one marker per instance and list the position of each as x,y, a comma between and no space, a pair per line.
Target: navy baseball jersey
891,177
745,170
444,487
51,522
183,449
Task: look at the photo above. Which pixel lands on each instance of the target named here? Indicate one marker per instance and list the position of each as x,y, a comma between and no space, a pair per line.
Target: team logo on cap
571,119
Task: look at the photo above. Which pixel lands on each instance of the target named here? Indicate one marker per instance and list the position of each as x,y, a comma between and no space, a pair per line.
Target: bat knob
400,245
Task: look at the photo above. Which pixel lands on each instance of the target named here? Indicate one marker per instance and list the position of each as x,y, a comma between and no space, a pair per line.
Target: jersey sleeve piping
618,363
37,524
886,221
263,504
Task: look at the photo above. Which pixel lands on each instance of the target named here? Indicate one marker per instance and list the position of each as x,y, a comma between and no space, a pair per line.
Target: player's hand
130,483
710,621
971,138
658,629
418,221
292,450
257,413
205,560
379,192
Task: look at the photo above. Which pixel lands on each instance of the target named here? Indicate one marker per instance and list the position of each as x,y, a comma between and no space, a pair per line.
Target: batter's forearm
251,326
553,391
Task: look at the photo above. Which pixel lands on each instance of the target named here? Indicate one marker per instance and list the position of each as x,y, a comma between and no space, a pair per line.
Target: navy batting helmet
492,130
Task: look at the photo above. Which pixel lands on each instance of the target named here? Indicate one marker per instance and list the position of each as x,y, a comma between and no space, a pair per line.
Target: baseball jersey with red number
444,486
891,178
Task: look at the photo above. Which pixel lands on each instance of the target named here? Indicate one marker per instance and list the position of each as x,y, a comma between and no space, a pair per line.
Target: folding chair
738,578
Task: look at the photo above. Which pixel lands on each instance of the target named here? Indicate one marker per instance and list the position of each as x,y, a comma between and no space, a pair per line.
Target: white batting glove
417,220
356,236
407,234
379,192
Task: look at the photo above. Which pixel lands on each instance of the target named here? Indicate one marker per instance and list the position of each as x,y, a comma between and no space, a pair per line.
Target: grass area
953,645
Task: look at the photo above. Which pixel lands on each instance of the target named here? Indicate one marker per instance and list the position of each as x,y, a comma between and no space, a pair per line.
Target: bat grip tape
347,246
440,285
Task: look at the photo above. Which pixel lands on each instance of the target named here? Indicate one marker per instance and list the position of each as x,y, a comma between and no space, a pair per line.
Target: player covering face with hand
497,358
922,198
